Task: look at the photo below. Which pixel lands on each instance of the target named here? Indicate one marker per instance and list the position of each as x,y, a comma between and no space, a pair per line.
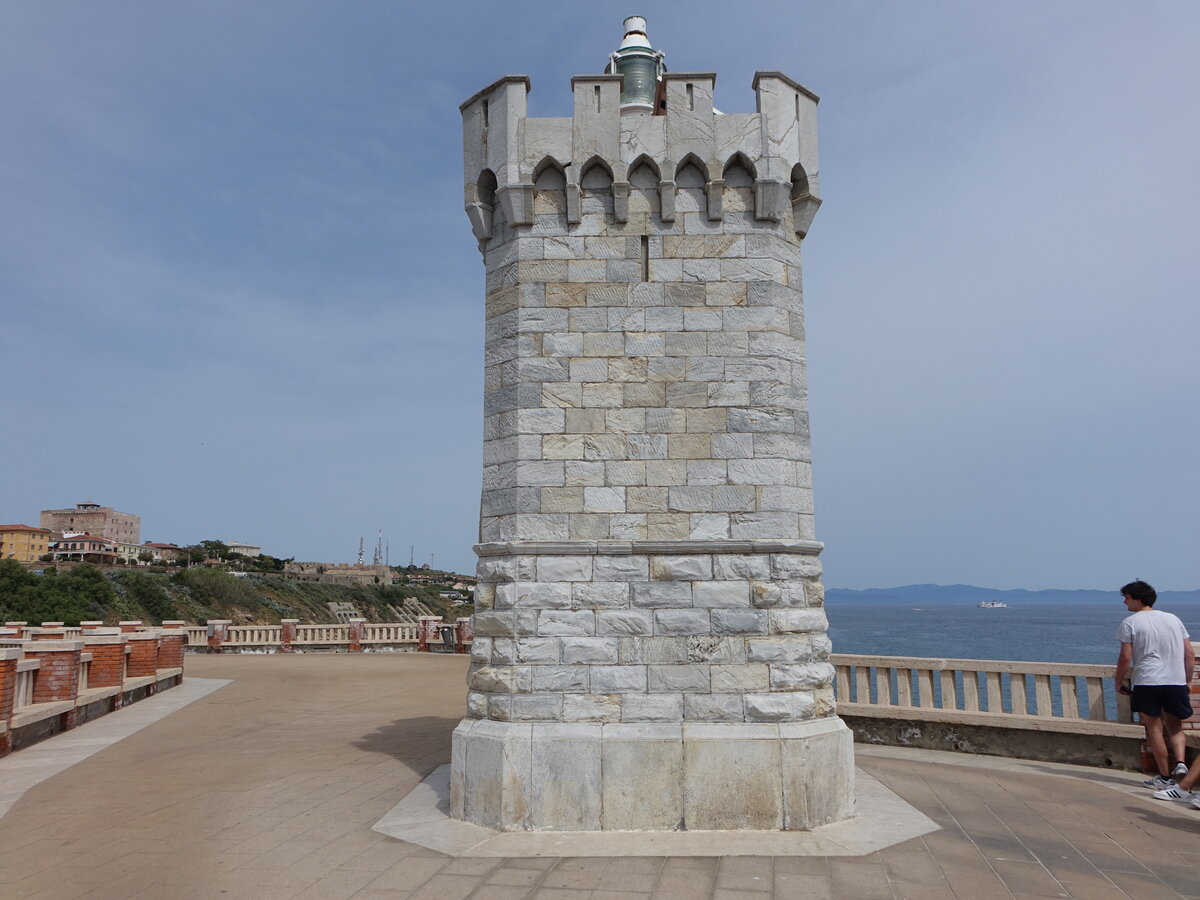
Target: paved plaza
269,785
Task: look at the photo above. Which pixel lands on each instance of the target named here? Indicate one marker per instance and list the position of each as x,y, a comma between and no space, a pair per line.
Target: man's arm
1125,660
1189,661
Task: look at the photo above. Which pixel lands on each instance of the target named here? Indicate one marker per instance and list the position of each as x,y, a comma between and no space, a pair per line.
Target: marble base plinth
623,777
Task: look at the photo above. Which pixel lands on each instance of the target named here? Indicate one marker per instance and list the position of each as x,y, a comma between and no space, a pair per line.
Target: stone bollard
287,634
143,658
58,676
356,634
462,634
129,627
8,692
107,669
85,627
218,631
171,641
428,630
54,624
15,624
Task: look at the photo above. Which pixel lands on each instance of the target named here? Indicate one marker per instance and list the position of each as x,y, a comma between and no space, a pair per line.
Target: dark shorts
1155,699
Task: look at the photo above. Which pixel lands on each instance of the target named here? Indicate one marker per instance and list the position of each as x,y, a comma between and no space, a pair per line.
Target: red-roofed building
85,548
24,543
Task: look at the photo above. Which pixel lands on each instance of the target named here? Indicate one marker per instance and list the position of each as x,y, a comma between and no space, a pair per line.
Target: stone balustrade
51,682
1032,710
355,636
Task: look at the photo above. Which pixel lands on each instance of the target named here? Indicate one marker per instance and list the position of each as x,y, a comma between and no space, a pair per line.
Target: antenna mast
360,552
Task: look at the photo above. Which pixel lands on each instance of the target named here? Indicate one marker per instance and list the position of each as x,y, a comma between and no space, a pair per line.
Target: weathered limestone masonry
650,644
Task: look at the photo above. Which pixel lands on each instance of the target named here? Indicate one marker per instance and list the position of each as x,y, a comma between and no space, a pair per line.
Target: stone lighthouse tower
650,640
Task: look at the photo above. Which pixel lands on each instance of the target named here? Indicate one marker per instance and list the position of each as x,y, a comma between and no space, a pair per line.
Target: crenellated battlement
510,158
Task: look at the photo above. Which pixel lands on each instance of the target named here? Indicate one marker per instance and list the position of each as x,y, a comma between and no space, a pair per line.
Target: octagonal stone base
616,777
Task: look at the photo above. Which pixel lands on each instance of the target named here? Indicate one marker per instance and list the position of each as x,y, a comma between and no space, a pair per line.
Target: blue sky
239,297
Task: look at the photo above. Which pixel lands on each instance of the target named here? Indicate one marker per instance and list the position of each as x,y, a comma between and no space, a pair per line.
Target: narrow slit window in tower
485,114
691,97
645,257
597,98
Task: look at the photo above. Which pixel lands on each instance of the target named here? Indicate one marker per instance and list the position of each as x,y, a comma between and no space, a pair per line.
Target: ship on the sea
992,604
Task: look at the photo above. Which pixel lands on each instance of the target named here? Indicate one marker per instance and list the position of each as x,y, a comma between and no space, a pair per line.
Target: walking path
270,787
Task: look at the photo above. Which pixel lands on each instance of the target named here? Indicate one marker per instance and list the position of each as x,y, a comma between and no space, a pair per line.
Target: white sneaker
1179,771
1158,782
1176,793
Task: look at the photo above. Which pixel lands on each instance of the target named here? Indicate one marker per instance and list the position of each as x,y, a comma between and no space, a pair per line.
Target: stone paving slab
270,788
29,767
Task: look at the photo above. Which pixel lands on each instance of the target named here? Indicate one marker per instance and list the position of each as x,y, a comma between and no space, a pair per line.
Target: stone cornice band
632,548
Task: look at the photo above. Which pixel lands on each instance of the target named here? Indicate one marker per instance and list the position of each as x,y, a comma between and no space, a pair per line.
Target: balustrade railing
23,695
973,687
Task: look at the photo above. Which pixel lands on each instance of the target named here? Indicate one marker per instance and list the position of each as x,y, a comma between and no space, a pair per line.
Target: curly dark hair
1141,592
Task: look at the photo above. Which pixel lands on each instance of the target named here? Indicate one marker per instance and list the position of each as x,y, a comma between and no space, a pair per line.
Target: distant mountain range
926,592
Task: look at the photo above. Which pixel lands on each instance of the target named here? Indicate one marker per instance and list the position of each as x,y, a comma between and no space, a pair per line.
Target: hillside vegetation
194,595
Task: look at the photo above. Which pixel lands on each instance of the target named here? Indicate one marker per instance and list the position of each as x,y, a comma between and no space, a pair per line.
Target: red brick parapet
107,668
218,632
463,635
356,634
287,634
58,676
429,631
170,645
9,656
131,626
143,654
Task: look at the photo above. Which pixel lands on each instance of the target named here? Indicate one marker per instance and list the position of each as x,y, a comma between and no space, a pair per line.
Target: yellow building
24,543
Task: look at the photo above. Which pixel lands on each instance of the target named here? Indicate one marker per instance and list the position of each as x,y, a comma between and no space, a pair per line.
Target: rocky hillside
195,595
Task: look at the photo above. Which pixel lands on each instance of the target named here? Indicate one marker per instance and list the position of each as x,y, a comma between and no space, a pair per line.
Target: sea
942,623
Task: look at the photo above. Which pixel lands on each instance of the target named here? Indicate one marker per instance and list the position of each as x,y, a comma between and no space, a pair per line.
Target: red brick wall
8,688
107,668
143,658
170,649
58,677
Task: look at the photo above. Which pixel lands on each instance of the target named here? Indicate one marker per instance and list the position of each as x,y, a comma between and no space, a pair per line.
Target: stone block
740,679
564,568
628,527
566,679
780,649
589,650
559,500
714,707
603,499
535,650
764,526
643,778
609,395
690,446
539,595
686,678
566,622
537,707
708,526
581,422
582,474
681,621
592,708
621,568
784,621
618,679
749,794
625,473
625,622
600,595
793,566
662,594
566,776
788,706
721,594
739,621
733,446
652,708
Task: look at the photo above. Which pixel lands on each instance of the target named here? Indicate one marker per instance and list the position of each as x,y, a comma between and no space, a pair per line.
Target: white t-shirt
1157,639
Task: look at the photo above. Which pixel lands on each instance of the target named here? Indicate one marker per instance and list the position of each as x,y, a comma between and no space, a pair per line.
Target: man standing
1156,655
